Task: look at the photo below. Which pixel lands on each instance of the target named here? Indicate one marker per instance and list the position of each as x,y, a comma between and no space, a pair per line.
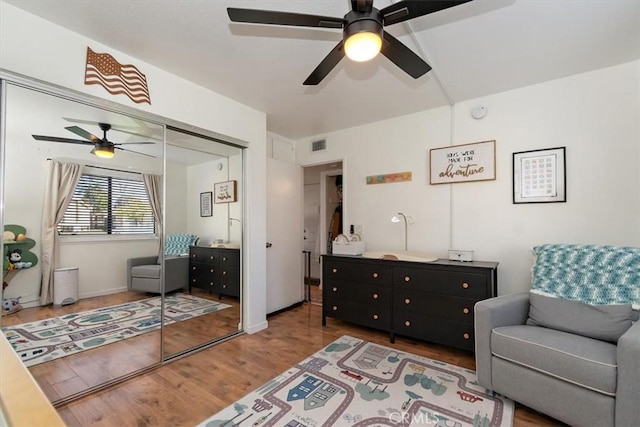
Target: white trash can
65,286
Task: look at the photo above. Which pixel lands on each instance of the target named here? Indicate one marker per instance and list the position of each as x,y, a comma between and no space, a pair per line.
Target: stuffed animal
15,259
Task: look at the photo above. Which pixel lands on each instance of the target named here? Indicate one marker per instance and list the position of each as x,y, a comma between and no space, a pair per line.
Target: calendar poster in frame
539,176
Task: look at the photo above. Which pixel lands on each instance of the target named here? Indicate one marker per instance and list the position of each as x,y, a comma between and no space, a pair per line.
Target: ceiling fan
102,147
363,32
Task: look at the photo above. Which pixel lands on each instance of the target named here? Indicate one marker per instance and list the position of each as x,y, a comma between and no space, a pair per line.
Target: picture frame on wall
539,176
225,192
463,163
206,207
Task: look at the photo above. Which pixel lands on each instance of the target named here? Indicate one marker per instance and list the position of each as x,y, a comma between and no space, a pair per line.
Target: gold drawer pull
375,317
334,289
211,257
466,336
224,286
335,270
194,256
407,278
465,285
375,296
193,268
224,258
407,301
407,323
211,270
193,280
211,284
465,310
224,273
334,308
375,275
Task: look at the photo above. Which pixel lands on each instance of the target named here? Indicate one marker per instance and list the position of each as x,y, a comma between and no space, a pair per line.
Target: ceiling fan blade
255,16
83,133
327,64
134,143
403,57
408,9
56,139
135,152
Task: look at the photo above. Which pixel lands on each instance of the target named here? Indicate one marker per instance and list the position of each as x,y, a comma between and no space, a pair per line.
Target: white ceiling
475,49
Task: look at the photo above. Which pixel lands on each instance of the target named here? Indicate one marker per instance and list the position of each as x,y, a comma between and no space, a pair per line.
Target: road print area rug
49,339
356,383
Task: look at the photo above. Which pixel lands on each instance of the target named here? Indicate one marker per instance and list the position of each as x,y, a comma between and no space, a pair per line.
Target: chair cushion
602,322
178,244
579,360
151,271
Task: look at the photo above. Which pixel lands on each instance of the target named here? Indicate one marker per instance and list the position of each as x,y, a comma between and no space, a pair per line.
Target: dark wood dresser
428,301
216,270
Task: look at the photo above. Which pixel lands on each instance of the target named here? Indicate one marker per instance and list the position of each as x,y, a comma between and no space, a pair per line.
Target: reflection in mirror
97,329
197,167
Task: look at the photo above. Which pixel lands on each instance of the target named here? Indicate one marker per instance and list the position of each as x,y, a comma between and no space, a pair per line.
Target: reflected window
106,204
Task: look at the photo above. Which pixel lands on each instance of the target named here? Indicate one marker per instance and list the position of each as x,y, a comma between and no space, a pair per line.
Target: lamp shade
104,152
363,39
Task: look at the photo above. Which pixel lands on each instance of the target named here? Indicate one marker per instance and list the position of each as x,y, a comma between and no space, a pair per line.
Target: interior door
285,226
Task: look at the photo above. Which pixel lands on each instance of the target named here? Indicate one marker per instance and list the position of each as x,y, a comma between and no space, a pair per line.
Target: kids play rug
356,383
44,340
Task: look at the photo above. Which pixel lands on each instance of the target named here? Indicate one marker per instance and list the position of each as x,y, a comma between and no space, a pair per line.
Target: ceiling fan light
104,152
363,46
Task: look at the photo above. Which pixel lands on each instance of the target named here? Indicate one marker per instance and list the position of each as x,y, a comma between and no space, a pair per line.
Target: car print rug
357,383
48,339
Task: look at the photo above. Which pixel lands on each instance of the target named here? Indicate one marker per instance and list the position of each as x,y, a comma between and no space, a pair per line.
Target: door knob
269,244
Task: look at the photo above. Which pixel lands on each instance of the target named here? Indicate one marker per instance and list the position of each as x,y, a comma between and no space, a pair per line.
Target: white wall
37,48
595,115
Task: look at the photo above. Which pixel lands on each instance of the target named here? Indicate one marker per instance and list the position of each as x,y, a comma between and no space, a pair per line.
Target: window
103,205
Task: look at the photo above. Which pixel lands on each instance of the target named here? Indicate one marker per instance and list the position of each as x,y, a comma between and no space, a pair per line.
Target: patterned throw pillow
178,244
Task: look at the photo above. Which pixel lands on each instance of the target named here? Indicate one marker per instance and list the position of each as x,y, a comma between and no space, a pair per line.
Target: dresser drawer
462,284
438,330
435,305
363,273
229,257
203,254
366,315
229,287
364,294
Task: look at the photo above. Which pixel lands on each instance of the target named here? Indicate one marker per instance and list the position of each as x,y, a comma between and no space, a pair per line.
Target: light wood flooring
187,391
76,373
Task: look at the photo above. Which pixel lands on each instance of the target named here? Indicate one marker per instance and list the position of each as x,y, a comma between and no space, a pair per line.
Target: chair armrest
176,271
628,389
132,262
489,314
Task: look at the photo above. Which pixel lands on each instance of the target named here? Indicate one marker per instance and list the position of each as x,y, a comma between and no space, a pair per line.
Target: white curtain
62,179
153,183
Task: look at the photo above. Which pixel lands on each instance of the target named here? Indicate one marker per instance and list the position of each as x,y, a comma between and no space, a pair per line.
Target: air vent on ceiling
319,145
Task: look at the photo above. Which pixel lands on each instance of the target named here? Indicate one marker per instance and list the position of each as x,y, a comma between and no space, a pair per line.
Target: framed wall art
463,163
206,208
225,192
539,176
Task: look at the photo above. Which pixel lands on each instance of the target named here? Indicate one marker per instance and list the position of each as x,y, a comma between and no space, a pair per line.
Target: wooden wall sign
388,178
103,69
463,163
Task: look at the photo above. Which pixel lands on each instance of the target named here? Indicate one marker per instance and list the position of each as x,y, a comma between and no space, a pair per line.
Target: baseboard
102,292
257,328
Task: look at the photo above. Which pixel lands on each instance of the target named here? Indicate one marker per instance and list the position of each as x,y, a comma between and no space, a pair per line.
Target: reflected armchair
144,273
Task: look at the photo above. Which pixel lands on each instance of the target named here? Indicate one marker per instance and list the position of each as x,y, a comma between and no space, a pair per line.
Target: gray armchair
575,361
143,274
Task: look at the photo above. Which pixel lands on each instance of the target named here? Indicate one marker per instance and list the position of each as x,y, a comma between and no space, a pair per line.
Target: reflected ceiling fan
363,34
102,147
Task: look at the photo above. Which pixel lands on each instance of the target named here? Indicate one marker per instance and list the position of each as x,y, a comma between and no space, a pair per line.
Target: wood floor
73,374
187,391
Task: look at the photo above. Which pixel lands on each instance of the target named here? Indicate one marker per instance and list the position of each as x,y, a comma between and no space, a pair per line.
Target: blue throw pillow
178,244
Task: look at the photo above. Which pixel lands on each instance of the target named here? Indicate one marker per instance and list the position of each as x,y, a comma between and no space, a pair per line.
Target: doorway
321,199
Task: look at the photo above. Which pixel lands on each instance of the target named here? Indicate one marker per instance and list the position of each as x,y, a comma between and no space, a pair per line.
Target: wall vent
319,145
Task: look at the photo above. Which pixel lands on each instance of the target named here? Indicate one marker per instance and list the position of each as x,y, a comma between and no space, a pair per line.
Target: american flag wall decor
103,69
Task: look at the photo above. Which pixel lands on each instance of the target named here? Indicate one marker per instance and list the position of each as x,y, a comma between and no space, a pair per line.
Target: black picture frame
206,204
540,176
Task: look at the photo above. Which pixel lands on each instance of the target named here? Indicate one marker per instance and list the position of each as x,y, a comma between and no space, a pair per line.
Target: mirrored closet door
120,205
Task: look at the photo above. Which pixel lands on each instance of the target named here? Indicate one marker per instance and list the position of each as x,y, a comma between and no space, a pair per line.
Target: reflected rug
357,383
45,340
